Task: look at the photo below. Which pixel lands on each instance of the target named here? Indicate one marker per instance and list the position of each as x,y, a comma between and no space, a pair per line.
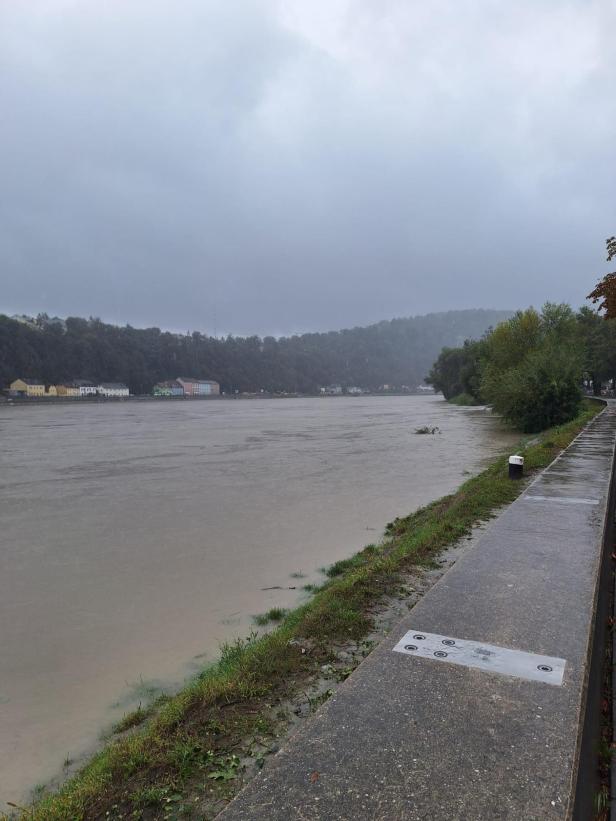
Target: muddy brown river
135,537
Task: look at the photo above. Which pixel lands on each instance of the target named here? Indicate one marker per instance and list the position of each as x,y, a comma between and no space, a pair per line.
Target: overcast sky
258,166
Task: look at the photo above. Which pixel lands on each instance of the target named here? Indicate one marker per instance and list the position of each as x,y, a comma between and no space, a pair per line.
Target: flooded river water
137,536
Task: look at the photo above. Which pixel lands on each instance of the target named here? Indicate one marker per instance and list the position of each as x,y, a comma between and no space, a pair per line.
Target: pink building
198,387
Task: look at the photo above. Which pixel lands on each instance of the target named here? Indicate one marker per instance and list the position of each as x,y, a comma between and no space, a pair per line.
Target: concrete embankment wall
482,702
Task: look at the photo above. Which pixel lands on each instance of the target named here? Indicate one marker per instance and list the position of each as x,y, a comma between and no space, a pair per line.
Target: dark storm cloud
271,167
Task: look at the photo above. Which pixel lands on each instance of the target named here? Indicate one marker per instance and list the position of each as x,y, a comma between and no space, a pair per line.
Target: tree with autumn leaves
605,291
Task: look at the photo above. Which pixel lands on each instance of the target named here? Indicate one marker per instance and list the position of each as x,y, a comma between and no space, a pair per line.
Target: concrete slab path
412,736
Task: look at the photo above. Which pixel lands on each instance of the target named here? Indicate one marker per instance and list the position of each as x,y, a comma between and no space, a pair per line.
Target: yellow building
27,387
67,390
51,390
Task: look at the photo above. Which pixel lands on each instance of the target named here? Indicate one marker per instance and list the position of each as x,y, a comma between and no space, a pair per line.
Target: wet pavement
411,736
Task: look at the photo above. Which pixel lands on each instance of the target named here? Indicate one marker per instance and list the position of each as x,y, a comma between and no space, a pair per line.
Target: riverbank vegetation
185,760
531,367
273,614
464,400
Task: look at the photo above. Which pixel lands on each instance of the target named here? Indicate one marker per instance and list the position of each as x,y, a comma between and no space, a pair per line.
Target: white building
86,388
112,389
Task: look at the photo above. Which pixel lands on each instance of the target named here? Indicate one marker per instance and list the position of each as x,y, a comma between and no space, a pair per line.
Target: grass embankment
189,748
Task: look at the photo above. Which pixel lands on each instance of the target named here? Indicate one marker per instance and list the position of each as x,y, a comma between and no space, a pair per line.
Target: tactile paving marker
488,657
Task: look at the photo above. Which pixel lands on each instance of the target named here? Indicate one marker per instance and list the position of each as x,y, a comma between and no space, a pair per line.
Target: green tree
606,351
534,367
594,332
458,370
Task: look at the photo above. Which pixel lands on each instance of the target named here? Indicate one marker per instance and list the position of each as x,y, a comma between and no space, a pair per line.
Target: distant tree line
397,352
531,367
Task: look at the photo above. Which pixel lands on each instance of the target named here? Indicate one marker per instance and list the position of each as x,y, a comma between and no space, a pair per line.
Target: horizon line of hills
396,352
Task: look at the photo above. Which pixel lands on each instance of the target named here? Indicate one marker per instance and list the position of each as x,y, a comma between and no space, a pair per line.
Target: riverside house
198,387
67,389
27,387
110,389
86,388
171,387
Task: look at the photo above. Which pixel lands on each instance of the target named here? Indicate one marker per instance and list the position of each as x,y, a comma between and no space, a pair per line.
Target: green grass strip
183,737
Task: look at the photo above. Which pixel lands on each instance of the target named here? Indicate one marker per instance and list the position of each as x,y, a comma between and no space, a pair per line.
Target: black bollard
516,467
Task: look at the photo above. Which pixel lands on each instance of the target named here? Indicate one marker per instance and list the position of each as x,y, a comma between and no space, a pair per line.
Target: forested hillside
396,352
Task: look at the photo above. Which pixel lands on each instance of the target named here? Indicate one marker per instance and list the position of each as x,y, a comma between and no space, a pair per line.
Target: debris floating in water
428,429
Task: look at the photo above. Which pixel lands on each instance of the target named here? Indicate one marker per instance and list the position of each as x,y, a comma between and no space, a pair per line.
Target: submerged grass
189,746
273,614
464,399
132,719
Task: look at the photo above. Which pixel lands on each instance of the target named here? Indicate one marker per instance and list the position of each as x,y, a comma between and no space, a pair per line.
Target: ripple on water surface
137,537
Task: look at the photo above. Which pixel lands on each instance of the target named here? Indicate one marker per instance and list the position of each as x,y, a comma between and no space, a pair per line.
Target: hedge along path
183,759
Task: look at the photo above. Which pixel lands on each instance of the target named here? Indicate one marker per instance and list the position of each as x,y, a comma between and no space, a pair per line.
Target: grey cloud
266,167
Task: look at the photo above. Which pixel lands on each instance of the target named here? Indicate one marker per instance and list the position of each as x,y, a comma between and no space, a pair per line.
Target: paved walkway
411,735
